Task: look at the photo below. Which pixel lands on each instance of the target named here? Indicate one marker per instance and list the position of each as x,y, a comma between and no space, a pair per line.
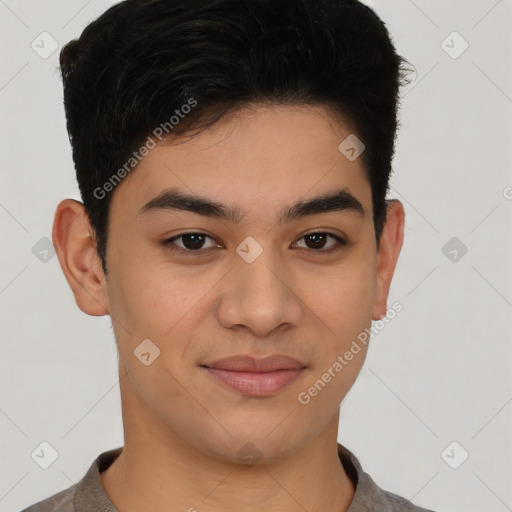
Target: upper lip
245,363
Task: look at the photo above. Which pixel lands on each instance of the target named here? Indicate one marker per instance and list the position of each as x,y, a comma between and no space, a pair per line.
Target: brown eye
317,241
192,243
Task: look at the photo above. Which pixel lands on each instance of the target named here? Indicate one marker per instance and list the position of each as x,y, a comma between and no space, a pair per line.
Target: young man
233,159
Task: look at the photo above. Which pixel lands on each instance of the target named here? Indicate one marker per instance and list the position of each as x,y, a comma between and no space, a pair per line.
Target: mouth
255,377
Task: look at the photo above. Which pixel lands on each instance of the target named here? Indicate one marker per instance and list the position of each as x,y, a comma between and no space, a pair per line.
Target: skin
183,430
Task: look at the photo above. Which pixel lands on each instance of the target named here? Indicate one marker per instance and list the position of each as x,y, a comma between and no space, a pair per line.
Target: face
265,280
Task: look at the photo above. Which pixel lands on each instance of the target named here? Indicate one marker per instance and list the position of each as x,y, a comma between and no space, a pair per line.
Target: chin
253,447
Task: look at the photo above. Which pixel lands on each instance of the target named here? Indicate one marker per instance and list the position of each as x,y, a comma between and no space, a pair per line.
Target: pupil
317,236
197,244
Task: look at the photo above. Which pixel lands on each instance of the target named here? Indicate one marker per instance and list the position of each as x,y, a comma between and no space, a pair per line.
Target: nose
259,297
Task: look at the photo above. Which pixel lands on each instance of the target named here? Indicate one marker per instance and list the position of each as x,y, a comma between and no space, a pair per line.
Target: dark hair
135,66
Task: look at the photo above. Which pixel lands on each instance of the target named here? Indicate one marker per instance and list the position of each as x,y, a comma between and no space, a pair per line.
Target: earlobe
76,250
389,249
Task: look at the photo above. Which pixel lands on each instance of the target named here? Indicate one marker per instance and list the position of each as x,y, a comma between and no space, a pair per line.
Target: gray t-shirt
88,494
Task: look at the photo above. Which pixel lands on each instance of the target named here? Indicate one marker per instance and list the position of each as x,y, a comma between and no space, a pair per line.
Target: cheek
343,297
162,305
150,300
343,305
343,308
155,306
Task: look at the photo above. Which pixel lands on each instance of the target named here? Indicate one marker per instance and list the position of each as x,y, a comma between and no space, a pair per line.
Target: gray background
439,372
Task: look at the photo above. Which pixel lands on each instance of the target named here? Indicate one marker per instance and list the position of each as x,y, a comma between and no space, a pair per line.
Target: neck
161,472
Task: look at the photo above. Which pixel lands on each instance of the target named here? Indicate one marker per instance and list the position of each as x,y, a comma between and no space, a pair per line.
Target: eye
193,242
316,240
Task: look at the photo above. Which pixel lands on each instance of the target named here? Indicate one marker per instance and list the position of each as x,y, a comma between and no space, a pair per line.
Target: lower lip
255,383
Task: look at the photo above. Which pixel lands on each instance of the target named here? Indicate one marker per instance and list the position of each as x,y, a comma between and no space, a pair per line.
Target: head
251,110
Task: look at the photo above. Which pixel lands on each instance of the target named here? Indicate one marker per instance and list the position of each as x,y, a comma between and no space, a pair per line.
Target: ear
75,245
389,248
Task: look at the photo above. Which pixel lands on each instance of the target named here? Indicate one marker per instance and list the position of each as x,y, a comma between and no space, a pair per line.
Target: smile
255,383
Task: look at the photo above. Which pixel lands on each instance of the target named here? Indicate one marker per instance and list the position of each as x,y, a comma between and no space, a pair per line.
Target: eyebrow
174,199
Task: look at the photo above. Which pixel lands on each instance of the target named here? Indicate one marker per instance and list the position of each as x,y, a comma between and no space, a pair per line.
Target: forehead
259,157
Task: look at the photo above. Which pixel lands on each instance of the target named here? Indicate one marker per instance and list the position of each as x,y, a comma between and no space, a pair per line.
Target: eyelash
169,243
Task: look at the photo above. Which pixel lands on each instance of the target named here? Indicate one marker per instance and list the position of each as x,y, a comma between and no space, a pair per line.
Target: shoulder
369,497
375,498
87,494
60,502
395,503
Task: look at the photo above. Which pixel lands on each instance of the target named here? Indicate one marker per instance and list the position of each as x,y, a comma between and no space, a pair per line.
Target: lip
245,363
255,377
